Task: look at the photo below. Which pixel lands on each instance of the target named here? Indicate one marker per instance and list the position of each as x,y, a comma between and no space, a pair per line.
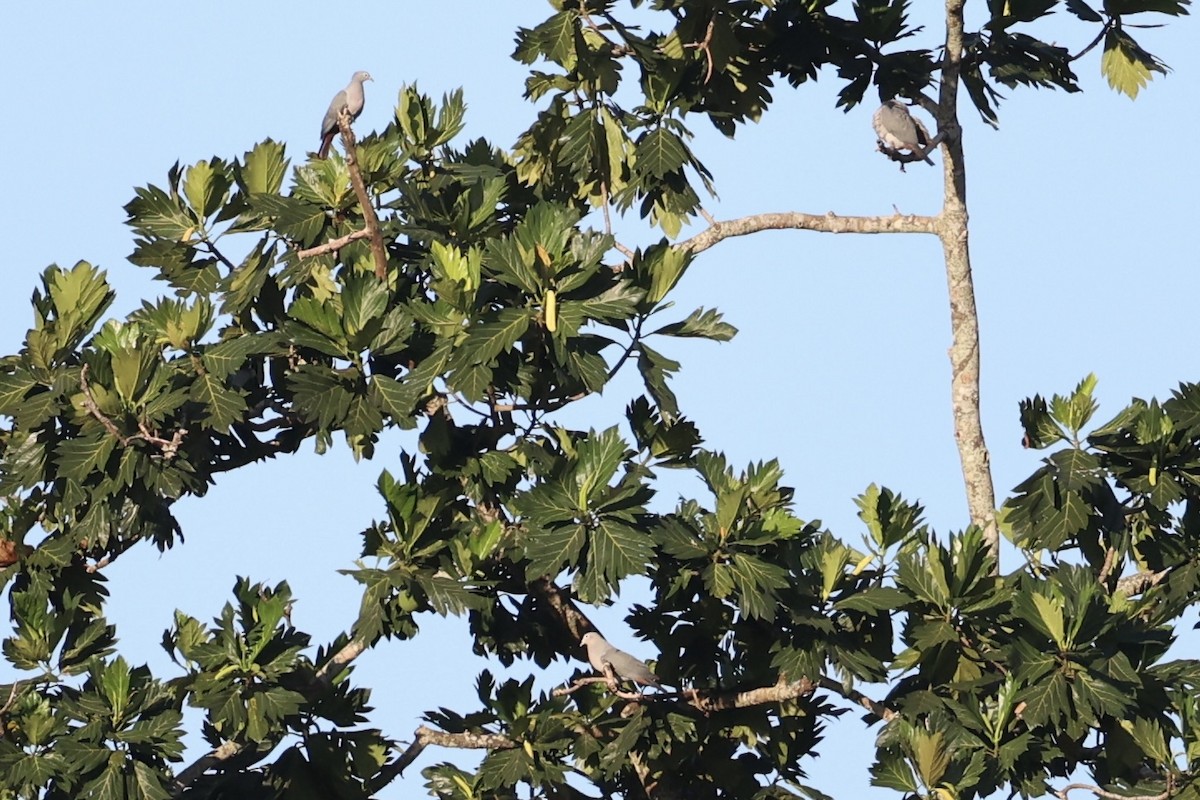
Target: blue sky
1083,224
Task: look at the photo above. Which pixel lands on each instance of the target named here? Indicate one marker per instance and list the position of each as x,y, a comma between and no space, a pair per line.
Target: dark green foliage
503,303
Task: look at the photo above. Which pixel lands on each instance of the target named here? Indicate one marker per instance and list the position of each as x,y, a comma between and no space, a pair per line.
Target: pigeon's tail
327,142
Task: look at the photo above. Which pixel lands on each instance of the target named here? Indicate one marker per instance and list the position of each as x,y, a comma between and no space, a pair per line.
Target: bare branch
334,244
874,706
1110,563
795,220
364,199
1096,790
711,701
12,696
339,661
561,608
782,691
964,318
202,765
424,736
625,251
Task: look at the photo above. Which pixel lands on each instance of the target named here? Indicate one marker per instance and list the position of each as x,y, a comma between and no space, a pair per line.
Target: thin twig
874,706
12,696
616,49
169,447
705,46
212,250
604,207
1103,31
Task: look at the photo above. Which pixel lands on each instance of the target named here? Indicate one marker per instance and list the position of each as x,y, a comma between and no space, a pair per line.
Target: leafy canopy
506,300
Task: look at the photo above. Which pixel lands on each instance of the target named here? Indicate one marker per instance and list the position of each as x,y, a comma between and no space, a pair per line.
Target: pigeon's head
362,75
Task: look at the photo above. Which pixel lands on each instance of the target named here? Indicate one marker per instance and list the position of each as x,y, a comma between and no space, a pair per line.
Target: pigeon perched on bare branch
625,666
351,99
898,130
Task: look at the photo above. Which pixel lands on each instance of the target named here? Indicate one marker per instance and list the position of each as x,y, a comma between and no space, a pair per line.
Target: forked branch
364,199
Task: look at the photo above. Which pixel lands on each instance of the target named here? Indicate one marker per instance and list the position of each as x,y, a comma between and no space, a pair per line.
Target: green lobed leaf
703,324
660,152
206,185
262,168
77,457
549,550
154,213
1125,65
222,406
891,771
616,550
13,390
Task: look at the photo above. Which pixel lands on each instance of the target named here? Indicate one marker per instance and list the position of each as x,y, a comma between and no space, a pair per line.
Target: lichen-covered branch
334,244
964,318
425,736
795,220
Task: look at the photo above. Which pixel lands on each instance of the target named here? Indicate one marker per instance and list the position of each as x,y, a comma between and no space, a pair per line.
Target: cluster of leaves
502,304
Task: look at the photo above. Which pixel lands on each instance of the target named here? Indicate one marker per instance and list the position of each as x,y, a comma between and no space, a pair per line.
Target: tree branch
364,199
1099,37
874,706
202,765
424,736
168,447
613,687
1141,581
334,244
325,676
964,318
339,661
782,691
573,621
795,220
1096,790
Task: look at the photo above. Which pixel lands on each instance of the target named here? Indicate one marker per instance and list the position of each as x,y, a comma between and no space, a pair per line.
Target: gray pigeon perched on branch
900,130
352,99
625,666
